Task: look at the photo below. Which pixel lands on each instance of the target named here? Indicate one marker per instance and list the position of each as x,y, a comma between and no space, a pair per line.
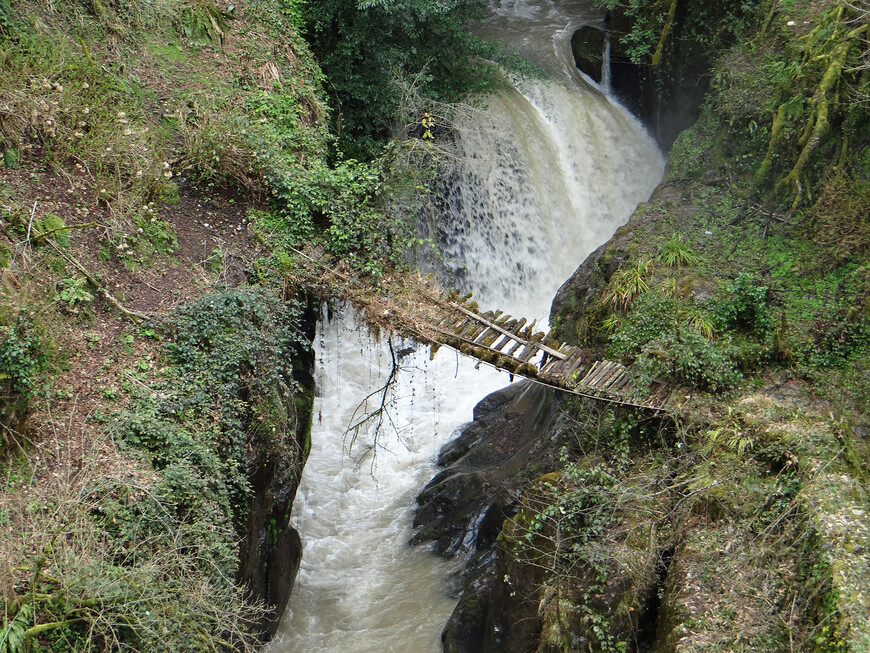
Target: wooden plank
614,379
623,383
599,374
663,393
618,380
546,369
607,380
458,323
517,344
574,364
527,353
474,333
545,348
489,337
518,327
480,337
604,372
501,343
592,371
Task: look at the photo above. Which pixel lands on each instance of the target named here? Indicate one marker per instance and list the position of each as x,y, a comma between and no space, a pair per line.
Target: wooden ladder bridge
417,309
513,345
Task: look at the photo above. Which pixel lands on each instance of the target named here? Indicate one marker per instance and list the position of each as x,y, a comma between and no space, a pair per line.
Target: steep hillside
155,410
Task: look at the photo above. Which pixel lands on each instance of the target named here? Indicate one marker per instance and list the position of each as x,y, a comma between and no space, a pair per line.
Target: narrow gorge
227,228
545,174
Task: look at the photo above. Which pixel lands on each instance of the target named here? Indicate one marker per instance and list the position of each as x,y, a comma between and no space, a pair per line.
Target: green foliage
114,562
567,529
24,355
53,226
835,341
364,48
80,112
202,23
693,152
11,157
696,27
676,253
627,284
841,218
362,212
7,22
744,306
787,99
229,382
669,342
12,637
75,290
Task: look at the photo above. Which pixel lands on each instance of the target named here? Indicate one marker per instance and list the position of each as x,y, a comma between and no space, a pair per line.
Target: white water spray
550,172
606,73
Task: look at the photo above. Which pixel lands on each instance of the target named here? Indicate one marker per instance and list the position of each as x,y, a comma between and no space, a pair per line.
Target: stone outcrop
514,438
271,550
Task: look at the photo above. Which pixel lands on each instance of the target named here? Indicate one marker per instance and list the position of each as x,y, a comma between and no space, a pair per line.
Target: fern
627,284
14,633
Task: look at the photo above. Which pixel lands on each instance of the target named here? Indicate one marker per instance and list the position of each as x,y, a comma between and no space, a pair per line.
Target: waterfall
549,170
605,65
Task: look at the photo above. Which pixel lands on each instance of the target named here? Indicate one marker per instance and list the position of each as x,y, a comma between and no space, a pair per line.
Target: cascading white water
549,173
606,73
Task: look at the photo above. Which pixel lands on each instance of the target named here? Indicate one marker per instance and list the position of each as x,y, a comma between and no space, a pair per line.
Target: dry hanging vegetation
111,565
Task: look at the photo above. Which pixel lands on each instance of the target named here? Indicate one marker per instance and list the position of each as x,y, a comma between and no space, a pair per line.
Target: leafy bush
676,253
24,356
668,341
627,284
115,566
697,27
835,342
230,381
841,219
363,47
744,307
688,357
7,20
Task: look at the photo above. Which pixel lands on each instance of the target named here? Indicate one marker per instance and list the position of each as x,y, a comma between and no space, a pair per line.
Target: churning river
549,171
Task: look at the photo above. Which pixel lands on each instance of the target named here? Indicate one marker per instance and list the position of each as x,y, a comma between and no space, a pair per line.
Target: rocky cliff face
271,550
514,438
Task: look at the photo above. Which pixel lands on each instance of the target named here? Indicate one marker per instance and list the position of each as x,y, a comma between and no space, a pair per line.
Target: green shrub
627,284
670,341
365,47
676,253
24,356
688,357
115,561
744,306
229,381
7,21
835,342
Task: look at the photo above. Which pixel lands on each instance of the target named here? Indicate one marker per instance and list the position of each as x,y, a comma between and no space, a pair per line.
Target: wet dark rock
511,441
587,45
271,550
